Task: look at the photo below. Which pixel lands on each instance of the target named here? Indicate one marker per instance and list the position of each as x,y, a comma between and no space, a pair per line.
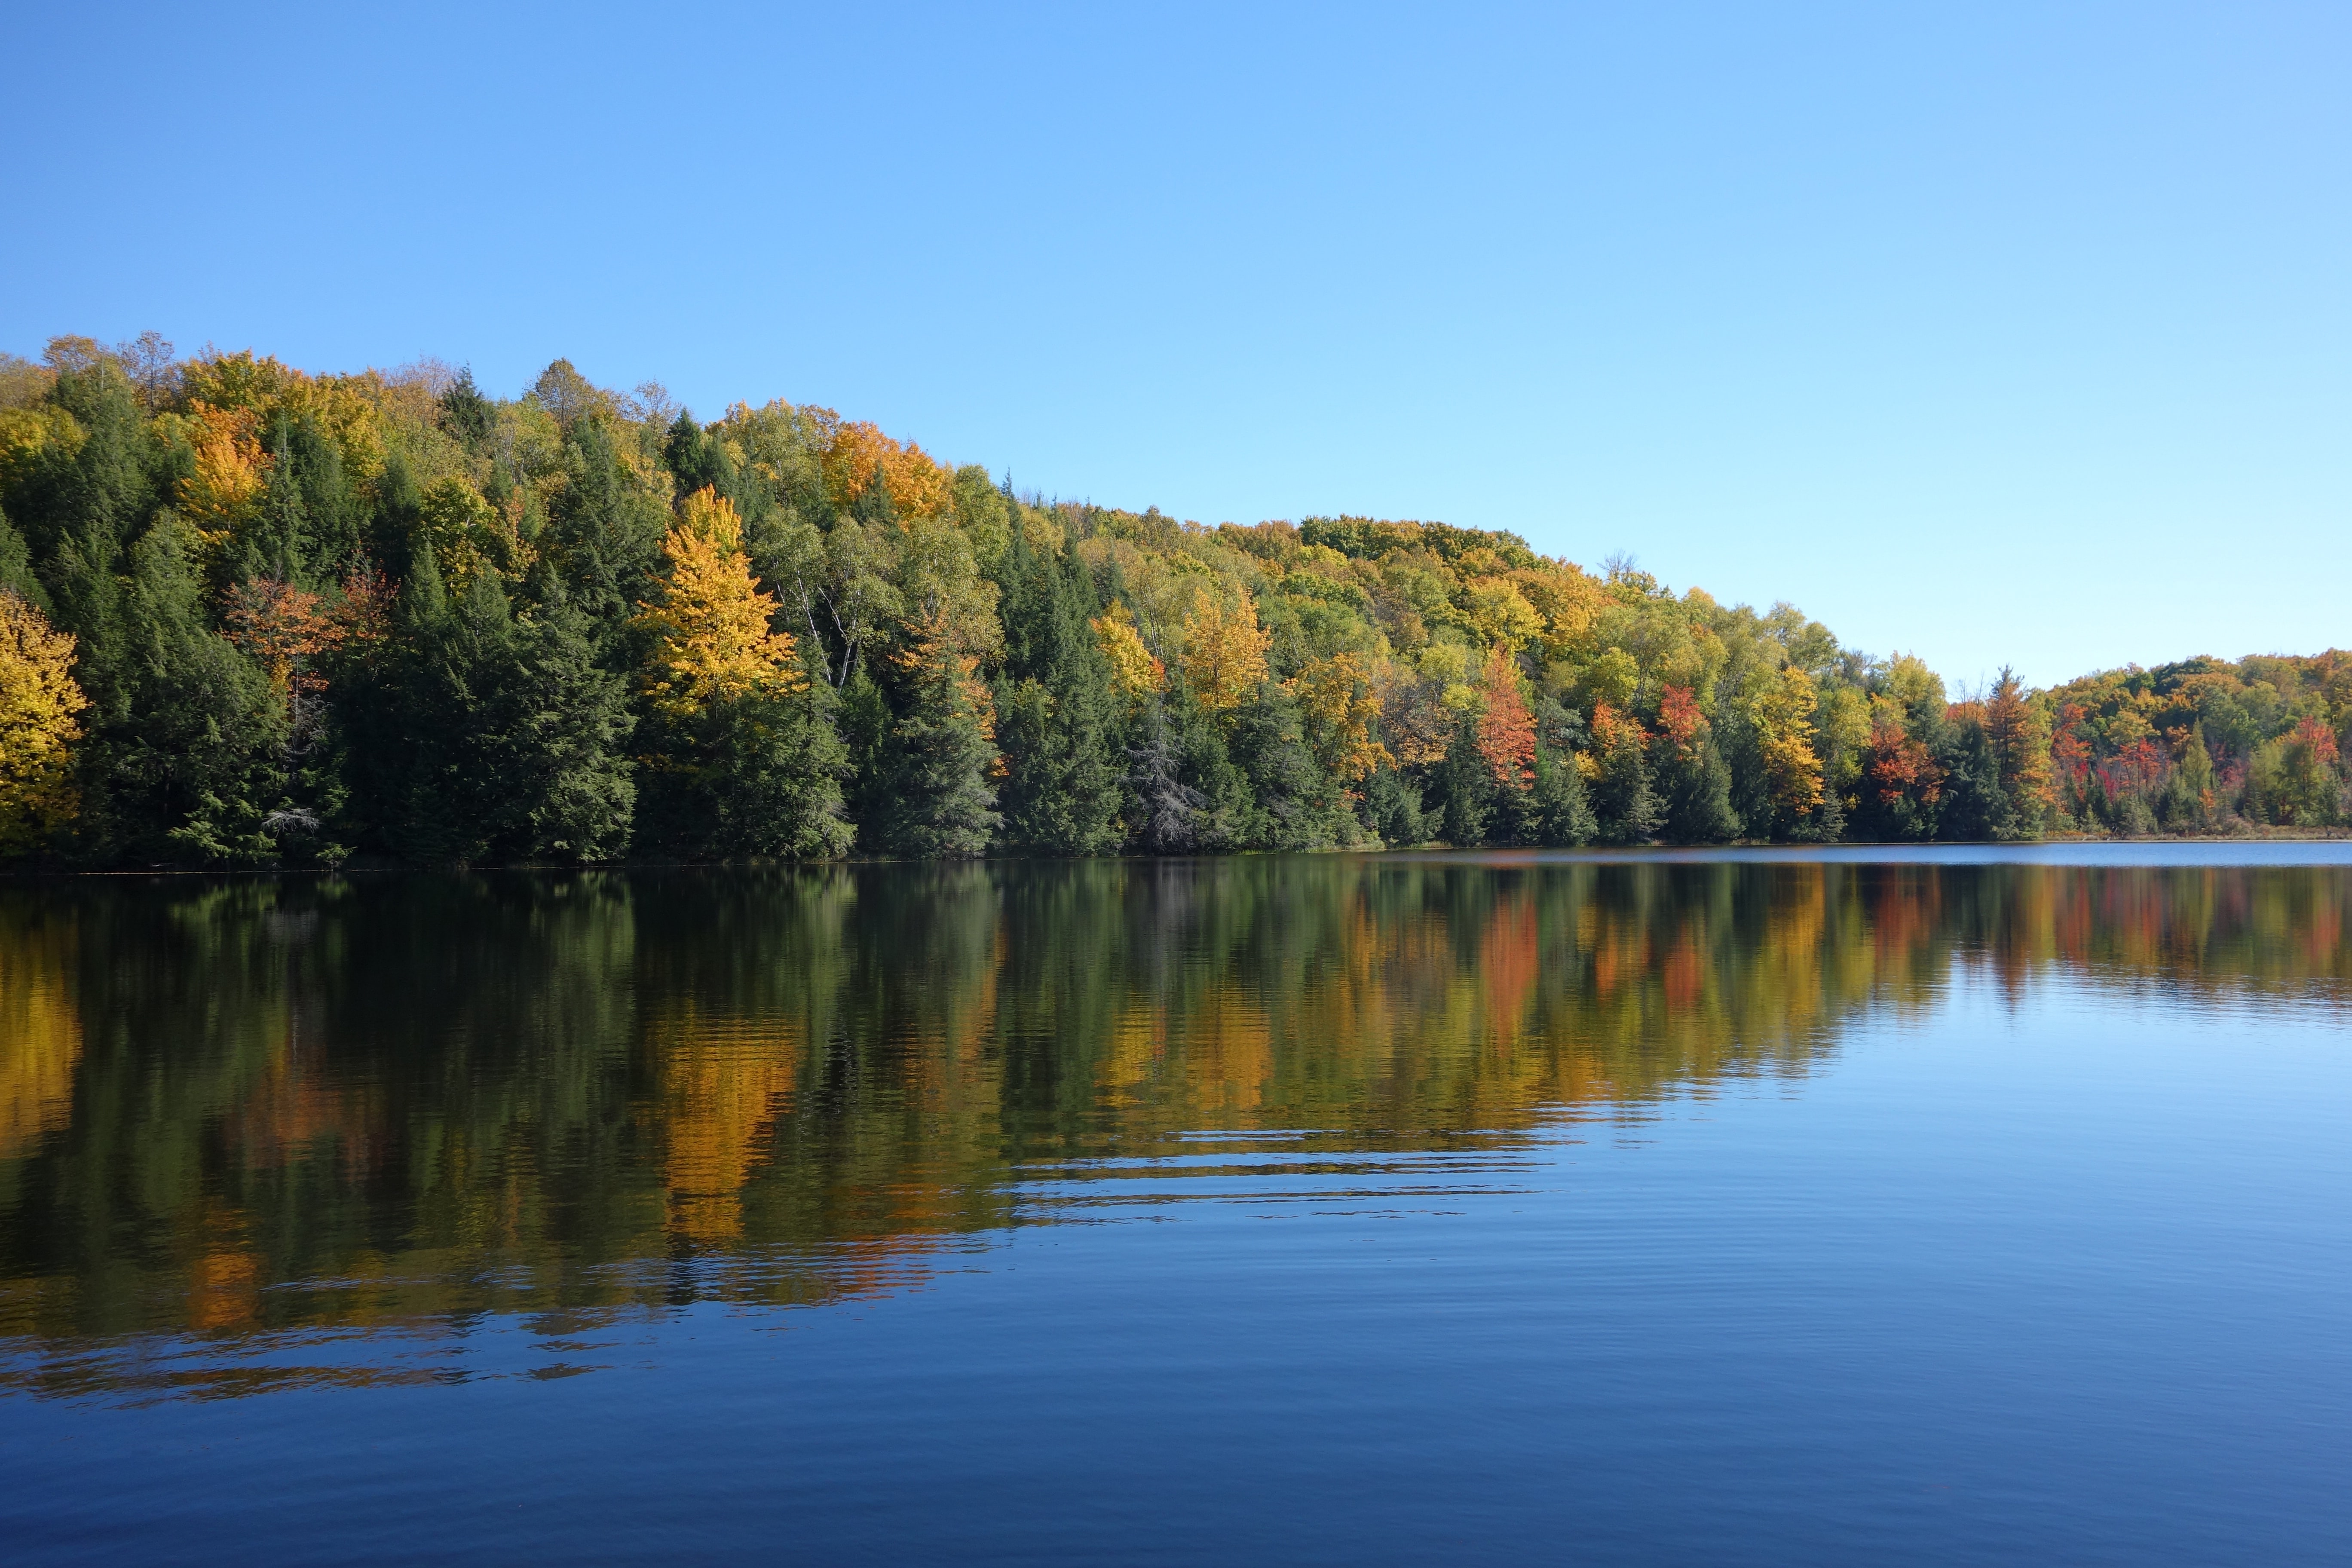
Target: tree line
252,617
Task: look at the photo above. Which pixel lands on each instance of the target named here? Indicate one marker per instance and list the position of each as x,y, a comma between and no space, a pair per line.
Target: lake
1846,1206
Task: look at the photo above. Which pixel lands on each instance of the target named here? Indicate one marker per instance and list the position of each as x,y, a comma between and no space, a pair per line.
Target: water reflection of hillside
252,1108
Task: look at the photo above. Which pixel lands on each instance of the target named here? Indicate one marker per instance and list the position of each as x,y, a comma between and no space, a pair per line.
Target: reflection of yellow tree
40,1030
849,1068
722,1086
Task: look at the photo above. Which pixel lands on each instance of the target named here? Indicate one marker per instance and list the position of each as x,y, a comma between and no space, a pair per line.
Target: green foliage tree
939,755
1057,714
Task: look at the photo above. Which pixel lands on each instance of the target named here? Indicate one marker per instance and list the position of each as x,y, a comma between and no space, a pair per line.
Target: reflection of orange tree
795,1084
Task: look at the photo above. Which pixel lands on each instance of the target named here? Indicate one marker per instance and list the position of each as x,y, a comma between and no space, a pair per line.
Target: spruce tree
1693,783
1298,802
1625,803
1466,790
1563,813
187,765
1392,808
550,731
17,575
1057,709
938,756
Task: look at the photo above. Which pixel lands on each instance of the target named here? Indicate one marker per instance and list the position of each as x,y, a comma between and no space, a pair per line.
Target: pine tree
1057,711
940,753
479,735
185,760
1466,789
1563,813
1165,814
16,574
550,734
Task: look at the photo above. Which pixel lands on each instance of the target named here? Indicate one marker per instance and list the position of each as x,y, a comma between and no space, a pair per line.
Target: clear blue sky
1998,332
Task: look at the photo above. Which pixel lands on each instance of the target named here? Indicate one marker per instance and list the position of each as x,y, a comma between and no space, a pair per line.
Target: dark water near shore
1969,1206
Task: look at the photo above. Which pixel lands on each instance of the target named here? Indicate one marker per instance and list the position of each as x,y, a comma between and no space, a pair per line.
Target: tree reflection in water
272,1114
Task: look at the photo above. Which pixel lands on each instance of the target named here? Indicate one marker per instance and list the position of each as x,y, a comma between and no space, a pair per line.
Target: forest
251,617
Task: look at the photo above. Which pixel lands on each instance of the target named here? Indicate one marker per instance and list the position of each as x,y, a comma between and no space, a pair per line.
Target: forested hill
250,616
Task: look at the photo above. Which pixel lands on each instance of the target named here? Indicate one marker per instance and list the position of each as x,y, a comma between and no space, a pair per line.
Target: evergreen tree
698,461
1694,786
1297,802
1392,808
1229,817
274,546
863,718
17,575
465,413
332,513
1164,811
1624,803
483,736
603,535
939,755
773,782
397,520
1563,813
1974,806
550,733
1466,790
184,758
1057,709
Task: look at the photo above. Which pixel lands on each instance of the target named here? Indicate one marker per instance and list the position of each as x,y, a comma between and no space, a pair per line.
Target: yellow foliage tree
1225,652
1338,702
712,638
469,535
223,489
1784,726
1499,612
1133,671
38,704
26,433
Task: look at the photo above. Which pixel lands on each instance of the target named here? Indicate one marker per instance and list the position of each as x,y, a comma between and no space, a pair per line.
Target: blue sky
2000,333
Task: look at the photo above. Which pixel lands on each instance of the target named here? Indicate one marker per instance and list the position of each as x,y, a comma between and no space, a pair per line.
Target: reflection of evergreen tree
630,1088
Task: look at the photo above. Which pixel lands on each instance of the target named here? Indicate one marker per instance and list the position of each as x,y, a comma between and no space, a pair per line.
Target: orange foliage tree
1507,731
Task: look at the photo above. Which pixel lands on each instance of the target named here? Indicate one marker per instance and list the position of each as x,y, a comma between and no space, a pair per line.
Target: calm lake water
1852,1208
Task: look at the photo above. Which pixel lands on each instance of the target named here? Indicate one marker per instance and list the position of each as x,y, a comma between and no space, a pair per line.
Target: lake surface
1978,1207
